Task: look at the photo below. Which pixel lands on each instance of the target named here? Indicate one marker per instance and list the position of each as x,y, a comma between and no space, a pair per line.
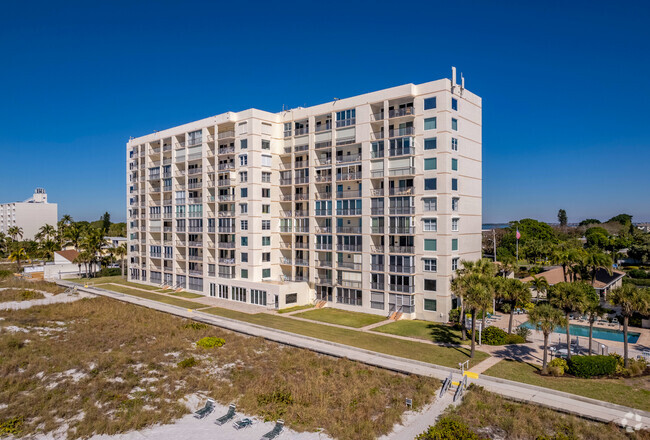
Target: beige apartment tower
29,215
366,203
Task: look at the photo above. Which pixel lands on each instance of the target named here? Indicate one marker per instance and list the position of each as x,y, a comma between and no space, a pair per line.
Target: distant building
645,227
603,283
29,215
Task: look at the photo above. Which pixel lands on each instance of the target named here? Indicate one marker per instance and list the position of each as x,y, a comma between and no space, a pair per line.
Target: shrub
11,426
195,326
590,366
5,274
561,364
515,339
187,363
638,273
210,342
494,336
523,332
454,315
448,429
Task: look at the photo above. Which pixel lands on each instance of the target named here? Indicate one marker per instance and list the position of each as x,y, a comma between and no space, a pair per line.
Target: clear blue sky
564,85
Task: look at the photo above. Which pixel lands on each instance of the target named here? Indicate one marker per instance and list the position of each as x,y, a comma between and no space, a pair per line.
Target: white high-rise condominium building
29,215
367,203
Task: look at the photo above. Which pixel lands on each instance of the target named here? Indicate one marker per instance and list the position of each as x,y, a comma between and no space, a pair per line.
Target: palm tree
92,243
15,232
478,296
86,259
3,242
67,219
459,285
47,249
120,252
540,285
515,293
566,256
545,317
596,259
17,255
568,297
631,300
593,310
73,236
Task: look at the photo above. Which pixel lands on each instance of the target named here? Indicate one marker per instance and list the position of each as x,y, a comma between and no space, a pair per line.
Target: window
244,192
430,244
243,144
244,273
454,124
243,207
430,164
430,285
454,224
266,145
244,241
430,305
266,209
454,203
454,264
430,204
430,224
291,298
266,160
266,177
454,184
430,124
266,241
244,225
266,256
243,160
454,244
244,257
454,164
430,265
287,129
429,103
243,176
266,273
454,144
266,192
454,104
430,184
345,118
430,144
266,225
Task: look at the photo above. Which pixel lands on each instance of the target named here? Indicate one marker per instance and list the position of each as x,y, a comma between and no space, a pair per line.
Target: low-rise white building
29,215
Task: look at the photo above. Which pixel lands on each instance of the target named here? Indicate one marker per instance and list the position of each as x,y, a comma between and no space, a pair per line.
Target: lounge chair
276,431
207,409
227,417
243,423
614,322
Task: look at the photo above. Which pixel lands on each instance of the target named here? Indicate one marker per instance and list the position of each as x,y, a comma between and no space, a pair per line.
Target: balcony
376,154
349,265
195,171
323,196
406,111
286,197
286,261
226,166
350,158
345,122
348,194
348,176
399,132
195,228
348,229
376,174
401,269
226,261
301,213
285,229
401,151
324,161
181,243
377,211
226,275
349,247
402,191
299,245
226,244
299,262
302,228
348,283
377,286
405,171
348,212
180,228
399,210
323,229
226,150
324,246
226,229
224,182
377,249
377,230
324,144
323,127
323,263
301,147
301,131
323,212
301,180
286,213
155,254
285,181
401,288
377,267
227,198
226,134
226,213
211,229
402,249
402,230
324,178
325,281
301,196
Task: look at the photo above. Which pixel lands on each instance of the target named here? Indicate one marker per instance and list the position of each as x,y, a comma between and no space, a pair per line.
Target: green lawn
115,280
447,356
184,294
634,392
153,296
427,330
341,317
295,308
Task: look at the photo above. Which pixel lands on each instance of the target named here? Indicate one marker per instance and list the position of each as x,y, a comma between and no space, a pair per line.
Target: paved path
375,325
483,366
556,400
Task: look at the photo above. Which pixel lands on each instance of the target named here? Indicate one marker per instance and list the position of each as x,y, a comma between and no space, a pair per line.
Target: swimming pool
599,333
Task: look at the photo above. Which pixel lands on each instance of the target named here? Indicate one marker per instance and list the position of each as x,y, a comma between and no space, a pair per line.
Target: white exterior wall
29,216
287,275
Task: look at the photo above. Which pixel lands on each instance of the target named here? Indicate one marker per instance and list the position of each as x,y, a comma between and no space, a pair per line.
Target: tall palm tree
3,242
46,232
86,259
593,310
545,317
92,243
515,293
120,252
566,256
631,300
67,219
540,285
15,232
596,259
17,255
47,249
478,296
73,236
570,298
459,285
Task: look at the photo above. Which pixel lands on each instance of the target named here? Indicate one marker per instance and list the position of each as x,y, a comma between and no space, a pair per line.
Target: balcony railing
226,166
195,171
301,180
348,176
323,178
323,127
226,198
348,283
348,212
226,134
226,229
326,281
402,249
350,158
324,246
324,161
349,265
377,267
377,154
405,171
226,150
349,247
323,229
226,275
377,229
285,229
300,262
226,213
401,269
323,263
404,131
324,144
301,213
401,288
195,228
226,244
348,229
377,286
377,211
323,196
406,111
226,260
401,230
224,182
345,122
326,212
302,228
402,191
299,245
348,194
285,181
401,151
397,210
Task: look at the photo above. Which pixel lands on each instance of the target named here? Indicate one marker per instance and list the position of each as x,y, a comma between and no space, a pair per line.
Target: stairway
395,316
321,304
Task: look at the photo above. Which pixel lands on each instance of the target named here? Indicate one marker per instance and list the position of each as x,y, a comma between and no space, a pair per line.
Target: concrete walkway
375,325
556,400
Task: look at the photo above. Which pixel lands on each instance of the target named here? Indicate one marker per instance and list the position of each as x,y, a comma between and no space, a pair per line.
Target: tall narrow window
430,144
454,124
430,124
454,184
429,103
454,144
454,104
454,164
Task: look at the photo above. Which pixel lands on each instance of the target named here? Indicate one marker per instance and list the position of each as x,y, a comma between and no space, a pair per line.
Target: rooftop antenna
453,76
462,81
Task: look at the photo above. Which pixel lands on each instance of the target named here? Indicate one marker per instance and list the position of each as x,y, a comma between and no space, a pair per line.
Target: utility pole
494,243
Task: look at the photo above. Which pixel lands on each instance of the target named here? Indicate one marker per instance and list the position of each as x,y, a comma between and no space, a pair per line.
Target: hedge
590,366
448,429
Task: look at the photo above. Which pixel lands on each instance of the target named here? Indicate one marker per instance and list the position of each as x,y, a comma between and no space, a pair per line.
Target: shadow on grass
519,353
444,334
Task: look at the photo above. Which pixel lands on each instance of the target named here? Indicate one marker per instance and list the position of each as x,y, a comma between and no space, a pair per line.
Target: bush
523,332
454,315
590,366
560,364
187,363
638,273
515,339
448,429
494,336
11,426
637,281
210,342
195,326
5,274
